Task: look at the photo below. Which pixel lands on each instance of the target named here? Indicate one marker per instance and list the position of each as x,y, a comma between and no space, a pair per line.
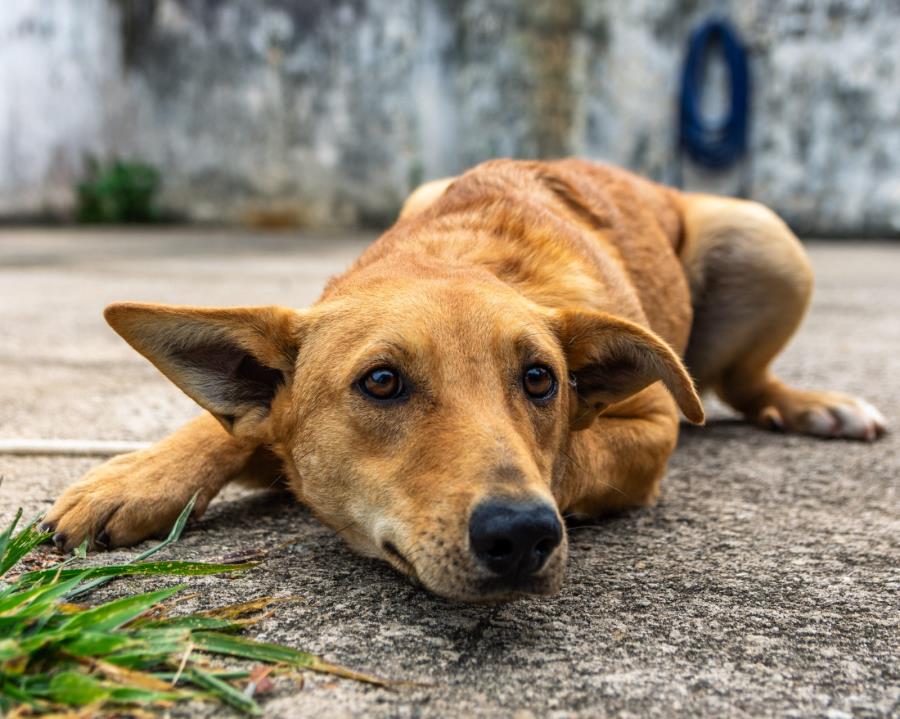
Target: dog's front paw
122,502
823,414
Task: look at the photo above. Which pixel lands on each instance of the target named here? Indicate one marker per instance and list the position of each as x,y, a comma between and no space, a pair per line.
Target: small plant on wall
118,192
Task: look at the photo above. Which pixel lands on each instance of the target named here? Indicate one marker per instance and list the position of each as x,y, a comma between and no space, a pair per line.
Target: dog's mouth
479,589
399,561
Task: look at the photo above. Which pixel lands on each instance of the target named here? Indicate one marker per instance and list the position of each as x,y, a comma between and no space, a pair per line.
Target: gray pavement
765,583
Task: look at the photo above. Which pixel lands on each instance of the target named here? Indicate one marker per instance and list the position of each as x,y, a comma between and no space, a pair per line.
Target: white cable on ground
68,447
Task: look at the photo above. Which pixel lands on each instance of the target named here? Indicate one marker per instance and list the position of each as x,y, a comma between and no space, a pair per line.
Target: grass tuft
131,653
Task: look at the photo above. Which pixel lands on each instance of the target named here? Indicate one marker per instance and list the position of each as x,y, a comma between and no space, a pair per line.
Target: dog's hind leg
750,286
139,495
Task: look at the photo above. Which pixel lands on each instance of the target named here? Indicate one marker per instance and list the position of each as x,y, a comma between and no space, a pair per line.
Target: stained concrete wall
326,112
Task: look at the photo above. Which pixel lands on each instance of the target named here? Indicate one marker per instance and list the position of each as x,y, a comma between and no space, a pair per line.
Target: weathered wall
58,63
331,110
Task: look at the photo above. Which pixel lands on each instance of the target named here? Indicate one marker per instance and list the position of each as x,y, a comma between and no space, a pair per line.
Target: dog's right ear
231,361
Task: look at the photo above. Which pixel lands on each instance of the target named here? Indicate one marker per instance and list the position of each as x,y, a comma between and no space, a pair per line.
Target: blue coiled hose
716,144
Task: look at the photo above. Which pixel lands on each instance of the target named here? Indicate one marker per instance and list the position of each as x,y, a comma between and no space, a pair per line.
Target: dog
516,349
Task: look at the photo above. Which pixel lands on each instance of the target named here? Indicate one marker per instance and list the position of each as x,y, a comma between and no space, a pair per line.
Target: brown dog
516,347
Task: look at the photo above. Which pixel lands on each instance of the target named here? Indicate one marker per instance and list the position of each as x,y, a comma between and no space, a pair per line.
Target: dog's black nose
513,539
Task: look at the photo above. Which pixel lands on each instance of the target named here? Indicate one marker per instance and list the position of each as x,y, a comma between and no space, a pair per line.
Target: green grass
131,652
118,192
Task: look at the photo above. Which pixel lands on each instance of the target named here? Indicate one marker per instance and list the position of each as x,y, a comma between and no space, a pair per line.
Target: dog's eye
382,383
539,382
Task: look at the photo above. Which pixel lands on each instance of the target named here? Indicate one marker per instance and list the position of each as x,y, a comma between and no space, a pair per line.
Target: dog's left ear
231,361
611,358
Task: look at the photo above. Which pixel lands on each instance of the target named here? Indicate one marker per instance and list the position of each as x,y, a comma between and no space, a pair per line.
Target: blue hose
717,144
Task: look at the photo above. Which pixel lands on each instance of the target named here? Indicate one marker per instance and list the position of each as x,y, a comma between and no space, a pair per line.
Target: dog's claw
878,424
102,540
59,539
770,418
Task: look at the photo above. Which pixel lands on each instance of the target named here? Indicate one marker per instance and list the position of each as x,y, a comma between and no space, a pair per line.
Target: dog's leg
139,495
750,286
618,462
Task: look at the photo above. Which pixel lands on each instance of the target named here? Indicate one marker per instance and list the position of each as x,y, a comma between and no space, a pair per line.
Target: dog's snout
513,539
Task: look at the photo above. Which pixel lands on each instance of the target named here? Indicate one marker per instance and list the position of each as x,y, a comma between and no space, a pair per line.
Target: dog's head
426,420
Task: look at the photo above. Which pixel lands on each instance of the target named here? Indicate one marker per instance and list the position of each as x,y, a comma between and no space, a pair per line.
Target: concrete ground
765,583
